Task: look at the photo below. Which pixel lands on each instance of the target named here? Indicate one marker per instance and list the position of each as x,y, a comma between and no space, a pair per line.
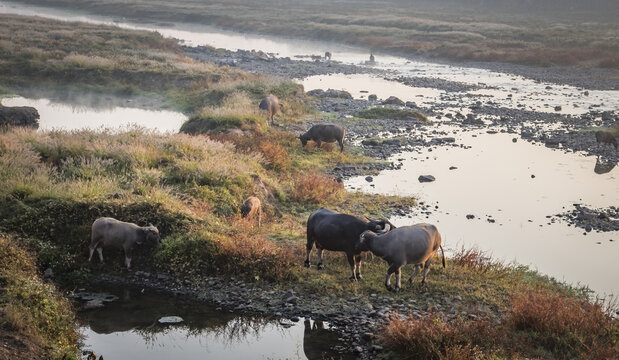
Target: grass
36,320
556,32
391,113
37,53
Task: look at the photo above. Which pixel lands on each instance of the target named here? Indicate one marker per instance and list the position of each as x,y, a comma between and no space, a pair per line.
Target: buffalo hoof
359,277
320,266
352,278
396,289
307,264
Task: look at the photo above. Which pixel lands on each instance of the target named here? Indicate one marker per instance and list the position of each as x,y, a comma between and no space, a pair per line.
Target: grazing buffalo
271,105
333,231
605,137
252,207
324,132
416,244
109,232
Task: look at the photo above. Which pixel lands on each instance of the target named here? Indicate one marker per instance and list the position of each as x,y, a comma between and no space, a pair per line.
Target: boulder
426,178
19,116
372,97
392,100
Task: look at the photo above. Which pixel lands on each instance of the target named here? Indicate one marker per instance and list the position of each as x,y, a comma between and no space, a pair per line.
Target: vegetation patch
391,113
36,321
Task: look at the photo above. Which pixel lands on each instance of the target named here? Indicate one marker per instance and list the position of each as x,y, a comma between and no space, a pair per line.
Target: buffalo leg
416,270
393,268
319,263
318,143
398,278
351,262
426,270
358,267
341,142
100,252
128,253
308,249
92,251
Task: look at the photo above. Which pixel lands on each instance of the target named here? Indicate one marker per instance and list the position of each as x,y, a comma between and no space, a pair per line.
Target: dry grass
316,188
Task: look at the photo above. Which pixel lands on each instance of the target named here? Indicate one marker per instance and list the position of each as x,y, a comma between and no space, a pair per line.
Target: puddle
54,115
130,328
493,180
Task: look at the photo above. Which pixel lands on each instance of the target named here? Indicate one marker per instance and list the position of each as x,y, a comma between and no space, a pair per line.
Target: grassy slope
560,33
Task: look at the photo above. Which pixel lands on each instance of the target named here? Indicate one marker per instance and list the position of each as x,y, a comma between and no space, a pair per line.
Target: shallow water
493,180
128,329
55,115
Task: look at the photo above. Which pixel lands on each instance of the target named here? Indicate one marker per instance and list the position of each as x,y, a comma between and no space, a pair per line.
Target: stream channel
513,187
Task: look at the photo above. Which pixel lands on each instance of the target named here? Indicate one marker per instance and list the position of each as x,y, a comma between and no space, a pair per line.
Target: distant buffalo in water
271,105
324,132
605,137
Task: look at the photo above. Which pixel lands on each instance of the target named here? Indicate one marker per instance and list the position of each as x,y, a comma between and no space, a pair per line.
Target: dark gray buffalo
271,105
326,133
416,244
333,231
605,137
109,232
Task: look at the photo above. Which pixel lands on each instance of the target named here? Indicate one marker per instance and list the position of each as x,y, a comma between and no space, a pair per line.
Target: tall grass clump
316,188
31,308
564,326
434,338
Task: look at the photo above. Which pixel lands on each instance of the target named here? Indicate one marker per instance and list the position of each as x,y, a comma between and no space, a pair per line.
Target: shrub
432,337
316,188
567,327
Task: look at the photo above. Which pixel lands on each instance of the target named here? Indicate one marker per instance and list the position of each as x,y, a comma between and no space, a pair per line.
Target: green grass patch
34,316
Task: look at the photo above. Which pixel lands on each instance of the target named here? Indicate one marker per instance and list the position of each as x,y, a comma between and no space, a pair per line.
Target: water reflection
129,329
604,165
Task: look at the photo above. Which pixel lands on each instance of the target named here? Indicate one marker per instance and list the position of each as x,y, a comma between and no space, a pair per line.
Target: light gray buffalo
112,233
324,132
271,105
416,244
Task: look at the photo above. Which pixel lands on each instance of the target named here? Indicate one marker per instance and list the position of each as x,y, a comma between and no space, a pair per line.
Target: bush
433,338
316,188
565,326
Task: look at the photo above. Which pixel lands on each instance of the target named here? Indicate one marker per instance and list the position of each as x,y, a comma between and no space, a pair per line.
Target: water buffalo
109,232
333,231
326,133
271,105
605,137
328,55
252,206
416,244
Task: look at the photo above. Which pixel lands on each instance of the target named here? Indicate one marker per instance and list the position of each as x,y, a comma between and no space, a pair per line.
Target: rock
372,97
470,216
532,176
557,108
19,116
426,178
453,167
48,273
392,100
411,104
170,320
370,142
93,304
330,93
514,140
358,349
369,179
